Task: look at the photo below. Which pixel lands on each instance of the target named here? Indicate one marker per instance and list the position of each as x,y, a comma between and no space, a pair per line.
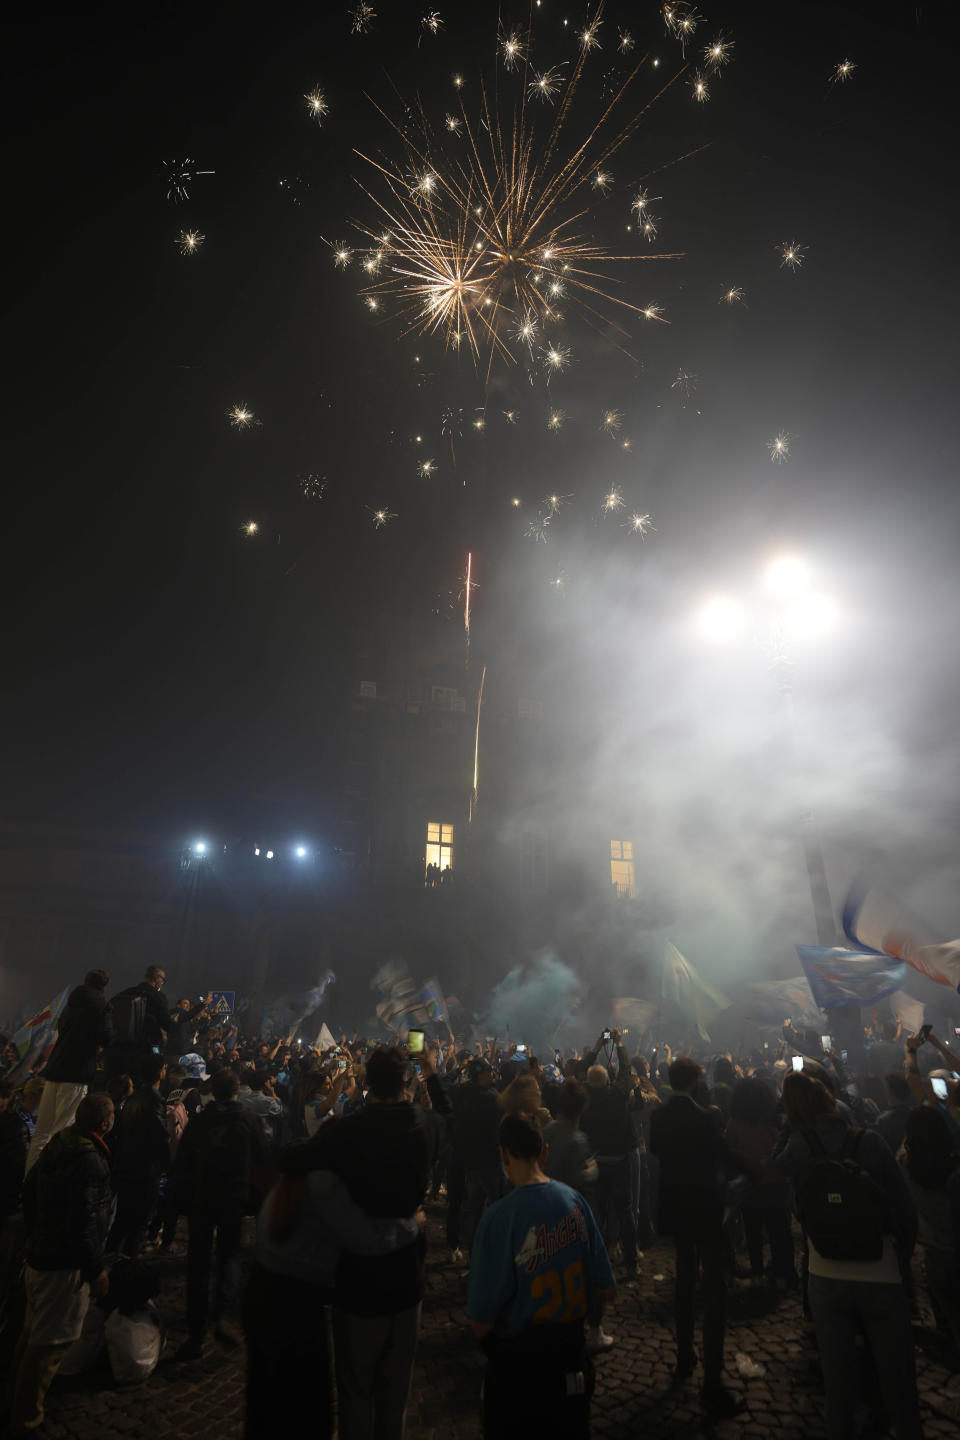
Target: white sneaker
598,1339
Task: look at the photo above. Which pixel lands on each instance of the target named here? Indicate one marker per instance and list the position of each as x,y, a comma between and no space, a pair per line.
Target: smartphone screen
415,1042
843,1056
521,1049
826,1042
797,1062
939,1088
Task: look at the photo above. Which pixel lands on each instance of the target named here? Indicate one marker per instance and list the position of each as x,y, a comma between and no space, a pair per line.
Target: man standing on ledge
84,1028
538,1266
693,1164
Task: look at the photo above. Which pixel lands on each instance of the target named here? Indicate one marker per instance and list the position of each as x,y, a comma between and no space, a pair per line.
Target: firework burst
546,85
251,528
179,175
555,419
612,421
612,501
638,524
189,241
733,296
317,103
485,238
381,516
779,448
361,19
537,529
791,255
717,53
241,417
843,72
552,503
513,49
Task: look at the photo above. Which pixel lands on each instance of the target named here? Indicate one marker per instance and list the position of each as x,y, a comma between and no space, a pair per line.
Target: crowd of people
779,1169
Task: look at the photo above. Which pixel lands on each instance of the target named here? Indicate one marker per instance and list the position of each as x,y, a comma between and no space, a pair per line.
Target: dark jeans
615,1213
456,1184
482,1188
840,1309
288,1358
136,1202
374,1362
199,1258
538,1383
766,1208
692,1255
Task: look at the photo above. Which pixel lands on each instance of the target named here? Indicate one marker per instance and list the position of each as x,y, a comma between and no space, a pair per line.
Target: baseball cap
193,1066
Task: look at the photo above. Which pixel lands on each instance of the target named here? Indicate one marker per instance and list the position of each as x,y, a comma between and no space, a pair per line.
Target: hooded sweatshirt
66,1204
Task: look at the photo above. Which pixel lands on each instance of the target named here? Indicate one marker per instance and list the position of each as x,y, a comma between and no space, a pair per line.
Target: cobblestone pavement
633,1396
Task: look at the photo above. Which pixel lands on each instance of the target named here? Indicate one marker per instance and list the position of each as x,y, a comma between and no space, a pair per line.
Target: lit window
621,869
439,849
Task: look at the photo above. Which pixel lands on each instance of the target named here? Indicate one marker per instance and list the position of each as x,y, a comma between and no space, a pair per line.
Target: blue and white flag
881,922
849,977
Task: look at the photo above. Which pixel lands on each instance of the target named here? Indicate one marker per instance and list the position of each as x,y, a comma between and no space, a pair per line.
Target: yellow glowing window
622,875
439,845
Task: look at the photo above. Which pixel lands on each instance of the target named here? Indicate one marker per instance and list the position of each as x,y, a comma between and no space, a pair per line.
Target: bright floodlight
200,848
301,852
256,850
787,576
812,616
269,854
721,619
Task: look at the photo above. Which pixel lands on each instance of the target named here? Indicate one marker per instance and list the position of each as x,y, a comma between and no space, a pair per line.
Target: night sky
164,671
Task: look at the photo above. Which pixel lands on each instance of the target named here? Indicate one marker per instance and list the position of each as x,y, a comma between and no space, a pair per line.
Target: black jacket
156,1020
14,1140
694,1164
385,1155
84,1026
141,1149
182,1030
66,1204
476,1126
607,1121
218,1153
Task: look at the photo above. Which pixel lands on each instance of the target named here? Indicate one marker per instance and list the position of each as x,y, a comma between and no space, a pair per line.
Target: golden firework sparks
717,53
380,516
250,528
342,255
513,49
612,501
555,419
362,18
843,72
241,416
426,468
546,85
779,448
612,420
733,296
602,181
189,241
791,255
638,524
699,86
588,37
626,42
317,103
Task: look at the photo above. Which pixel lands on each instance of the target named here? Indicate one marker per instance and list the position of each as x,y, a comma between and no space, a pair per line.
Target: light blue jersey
537,1259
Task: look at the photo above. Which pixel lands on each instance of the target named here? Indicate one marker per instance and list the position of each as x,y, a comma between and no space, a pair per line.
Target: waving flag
849,977
34,1040
695,998
773,1001
880,922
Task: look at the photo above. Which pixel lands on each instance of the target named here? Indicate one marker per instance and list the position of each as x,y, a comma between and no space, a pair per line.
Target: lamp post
787,606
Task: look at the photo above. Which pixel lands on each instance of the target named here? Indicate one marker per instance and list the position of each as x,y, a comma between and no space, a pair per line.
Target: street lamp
787,608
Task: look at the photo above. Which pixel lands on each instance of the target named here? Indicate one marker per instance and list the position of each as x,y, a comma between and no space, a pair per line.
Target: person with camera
607,1123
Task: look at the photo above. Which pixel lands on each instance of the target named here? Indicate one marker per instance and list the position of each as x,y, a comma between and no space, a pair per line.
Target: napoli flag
881,922
849,977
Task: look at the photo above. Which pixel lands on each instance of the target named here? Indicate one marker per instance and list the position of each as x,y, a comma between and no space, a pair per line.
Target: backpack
841,1207
176,1119
129,1010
